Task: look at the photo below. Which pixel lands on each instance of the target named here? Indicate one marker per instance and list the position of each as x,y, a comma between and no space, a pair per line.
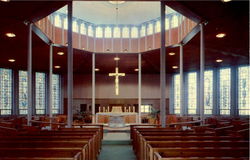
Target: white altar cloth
117,116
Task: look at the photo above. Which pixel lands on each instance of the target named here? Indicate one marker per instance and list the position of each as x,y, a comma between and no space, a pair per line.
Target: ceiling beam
41,35
179,7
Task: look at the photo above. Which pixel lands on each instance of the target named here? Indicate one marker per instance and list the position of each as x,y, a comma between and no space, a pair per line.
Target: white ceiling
101,12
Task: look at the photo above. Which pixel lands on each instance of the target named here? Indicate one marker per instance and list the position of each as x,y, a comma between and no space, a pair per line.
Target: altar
116,116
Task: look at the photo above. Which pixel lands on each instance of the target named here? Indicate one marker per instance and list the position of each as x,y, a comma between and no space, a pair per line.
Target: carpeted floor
117,152
116,146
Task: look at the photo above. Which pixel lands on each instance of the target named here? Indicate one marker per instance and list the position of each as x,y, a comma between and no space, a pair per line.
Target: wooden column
202,66
93,88
139,88
50,80
70,67
30,87
163,67
182,112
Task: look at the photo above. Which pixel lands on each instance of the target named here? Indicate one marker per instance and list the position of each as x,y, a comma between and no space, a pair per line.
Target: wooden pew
29,153
232,152
154,146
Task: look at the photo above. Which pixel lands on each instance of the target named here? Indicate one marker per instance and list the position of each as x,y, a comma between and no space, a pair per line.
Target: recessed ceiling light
5,0
116,2
226,0
220,35
136,69
83,48
97,69
116,58
11,60
171,53
60,53
10,35
174,67
57,67
219,60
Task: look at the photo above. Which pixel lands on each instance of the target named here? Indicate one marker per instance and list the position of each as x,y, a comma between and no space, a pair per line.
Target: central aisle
116,146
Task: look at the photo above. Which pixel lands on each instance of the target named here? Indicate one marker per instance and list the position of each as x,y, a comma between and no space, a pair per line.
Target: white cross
117,75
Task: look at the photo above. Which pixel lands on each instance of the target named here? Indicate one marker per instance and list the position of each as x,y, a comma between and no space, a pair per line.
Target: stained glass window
174,22
75,26
150,29
65,23
5,91
117,32
225,90
146,108
143,31
23,92
58,21
83,29
99,32
208,92
166,23
158,26
177,99
40,93
134,32
243,90
192,92
108,33
125,32
90,31
55,93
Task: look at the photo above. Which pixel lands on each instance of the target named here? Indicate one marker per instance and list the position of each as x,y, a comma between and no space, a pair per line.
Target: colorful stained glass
107,33
134,32
143,31
55,93
174,21
90,31
83,29
117,32
40,93
23,92
208,92
5,91
225,91
125,32
58,21
192,92
99,32
177,99
150,29
244,90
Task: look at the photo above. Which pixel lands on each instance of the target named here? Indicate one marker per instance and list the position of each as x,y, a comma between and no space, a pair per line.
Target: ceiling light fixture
107,50
116,2
220,35
174,67
11,60
219,60
5,0
10,35
125,50
116,58
97,69
83,48
226,0
136,69
171,53
57,67
60,53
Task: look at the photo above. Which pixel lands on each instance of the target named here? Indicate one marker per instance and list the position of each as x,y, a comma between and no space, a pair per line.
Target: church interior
127,80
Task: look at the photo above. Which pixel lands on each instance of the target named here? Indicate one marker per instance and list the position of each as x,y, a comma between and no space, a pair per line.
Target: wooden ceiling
231,18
